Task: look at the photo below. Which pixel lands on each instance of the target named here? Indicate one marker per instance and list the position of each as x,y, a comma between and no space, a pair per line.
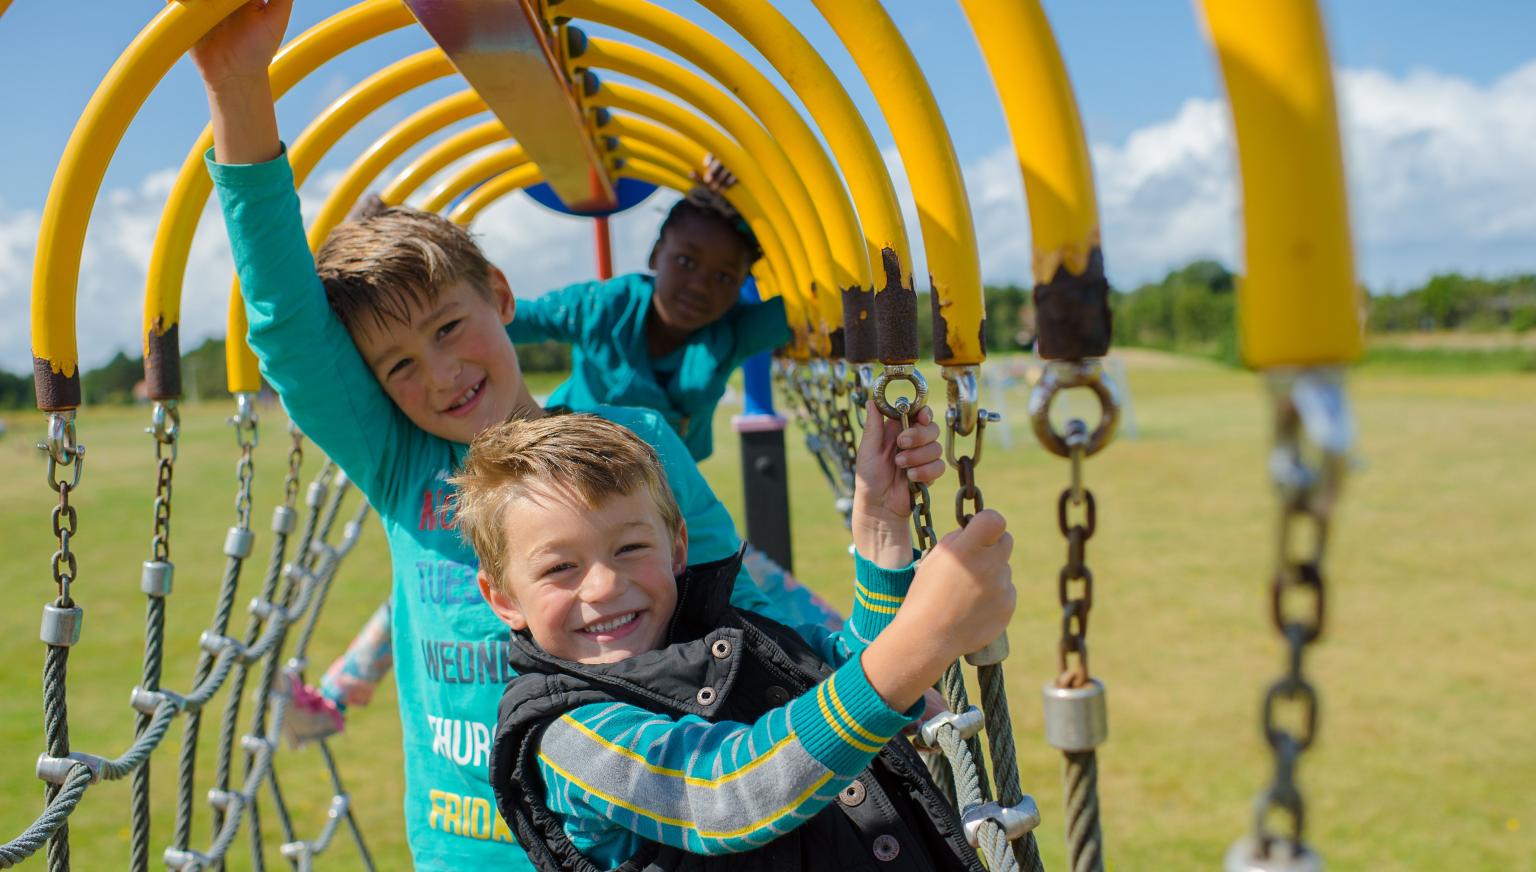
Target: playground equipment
837,251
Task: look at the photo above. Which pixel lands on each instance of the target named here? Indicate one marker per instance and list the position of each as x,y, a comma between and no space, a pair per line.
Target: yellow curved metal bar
178,221
384,151
756,142
313,143
473,173
854,148
61,234
515,179
1042,114
1298,304
702,49
629,148
794,304
827,304
922,138
432,161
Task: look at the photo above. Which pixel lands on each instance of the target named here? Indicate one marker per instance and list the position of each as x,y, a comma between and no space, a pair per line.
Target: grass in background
1426,672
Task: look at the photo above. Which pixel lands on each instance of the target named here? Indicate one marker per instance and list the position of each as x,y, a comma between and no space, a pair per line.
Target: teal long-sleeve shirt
618,774
450,650
604,322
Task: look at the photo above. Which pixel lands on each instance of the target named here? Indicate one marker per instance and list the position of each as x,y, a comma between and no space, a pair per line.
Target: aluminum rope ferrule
55,770
61,625
156,578
967,723
149,701
1076,718
1249,855
1015,822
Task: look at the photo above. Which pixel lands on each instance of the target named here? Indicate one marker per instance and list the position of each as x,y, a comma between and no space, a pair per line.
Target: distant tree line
1192,310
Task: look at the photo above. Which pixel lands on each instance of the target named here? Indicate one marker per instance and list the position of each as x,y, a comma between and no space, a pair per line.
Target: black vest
891,818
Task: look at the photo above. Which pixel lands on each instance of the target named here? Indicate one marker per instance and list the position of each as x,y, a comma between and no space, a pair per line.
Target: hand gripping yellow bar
178,222
944,210
822,182
61,235
514,179
860,159
386,150
1297,305
754,140
793,304
827,307
313,143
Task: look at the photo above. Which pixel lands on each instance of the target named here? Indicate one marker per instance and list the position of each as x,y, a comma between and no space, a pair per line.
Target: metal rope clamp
1015,822
55,770
61,625
1076,718
148,701
1061,375
899,372
156,578
967,724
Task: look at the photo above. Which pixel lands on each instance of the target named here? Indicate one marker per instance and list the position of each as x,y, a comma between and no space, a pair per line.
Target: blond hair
590,456
379,266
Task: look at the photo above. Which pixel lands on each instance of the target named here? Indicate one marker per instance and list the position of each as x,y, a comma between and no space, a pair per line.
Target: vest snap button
721,649
777,696
886,848
705,696
852,795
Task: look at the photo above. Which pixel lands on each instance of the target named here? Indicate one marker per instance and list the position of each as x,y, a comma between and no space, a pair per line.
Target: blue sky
1436,101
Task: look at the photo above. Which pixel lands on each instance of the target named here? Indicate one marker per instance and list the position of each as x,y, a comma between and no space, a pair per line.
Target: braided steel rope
54,817
56,731
1005,764
1085,850
952,685
993,843
154,654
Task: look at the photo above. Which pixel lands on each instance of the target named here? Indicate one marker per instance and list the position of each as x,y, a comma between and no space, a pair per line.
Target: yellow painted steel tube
922,138
827,305
629,148
515,179
754,140
794,304
319,137
432,161
61,235
1047,131
1297,304
178,221
702,49
473,173
386,150
854,148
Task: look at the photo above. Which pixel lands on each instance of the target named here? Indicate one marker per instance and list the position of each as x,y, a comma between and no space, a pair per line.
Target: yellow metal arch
473,173
435,159
514,179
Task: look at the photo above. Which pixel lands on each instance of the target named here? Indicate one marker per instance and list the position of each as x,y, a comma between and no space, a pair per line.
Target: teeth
469,395
608,626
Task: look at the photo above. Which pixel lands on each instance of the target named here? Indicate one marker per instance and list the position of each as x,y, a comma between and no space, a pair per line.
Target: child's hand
888,458
963,590
959,602
242,46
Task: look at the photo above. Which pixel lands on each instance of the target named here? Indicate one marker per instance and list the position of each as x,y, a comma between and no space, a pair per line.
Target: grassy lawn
1427,674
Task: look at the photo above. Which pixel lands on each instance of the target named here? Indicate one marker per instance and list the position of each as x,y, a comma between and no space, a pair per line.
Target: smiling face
452,369
591,583
700,265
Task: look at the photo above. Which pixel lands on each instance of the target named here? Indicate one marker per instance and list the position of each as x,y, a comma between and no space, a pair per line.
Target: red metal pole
604,248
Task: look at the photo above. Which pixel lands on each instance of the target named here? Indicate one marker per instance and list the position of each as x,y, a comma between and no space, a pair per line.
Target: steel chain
922,510
1074,585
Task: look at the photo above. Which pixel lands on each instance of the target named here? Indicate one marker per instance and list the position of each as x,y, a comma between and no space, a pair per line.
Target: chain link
295,461
246,436
1074,585
63,451
924,538
165,428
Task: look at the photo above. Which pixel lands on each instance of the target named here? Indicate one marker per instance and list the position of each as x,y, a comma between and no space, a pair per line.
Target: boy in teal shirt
391,358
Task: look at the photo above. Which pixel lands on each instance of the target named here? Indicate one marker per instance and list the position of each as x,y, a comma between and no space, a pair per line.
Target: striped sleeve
877,596
619,775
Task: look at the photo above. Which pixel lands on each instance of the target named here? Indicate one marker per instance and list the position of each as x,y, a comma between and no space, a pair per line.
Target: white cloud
1442,176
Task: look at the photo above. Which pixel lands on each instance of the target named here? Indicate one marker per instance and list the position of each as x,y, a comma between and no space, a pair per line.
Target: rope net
300,567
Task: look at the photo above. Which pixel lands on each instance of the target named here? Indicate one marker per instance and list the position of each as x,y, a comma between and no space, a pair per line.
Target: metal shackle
1076,718
1061,375
61,626
1248,855
898,373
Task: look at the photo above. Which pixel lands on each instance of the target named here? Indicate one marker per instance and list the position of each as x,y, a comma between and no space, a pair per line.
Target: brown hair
591,456
377,268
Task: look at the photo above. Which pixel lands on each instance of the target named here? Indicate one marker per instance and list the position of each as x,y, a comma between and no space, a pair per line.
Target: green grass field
1428,676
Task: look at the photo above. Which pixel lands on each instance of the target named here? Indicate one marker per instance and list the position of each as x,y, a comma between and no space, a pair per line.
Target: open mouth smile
466,401
612,628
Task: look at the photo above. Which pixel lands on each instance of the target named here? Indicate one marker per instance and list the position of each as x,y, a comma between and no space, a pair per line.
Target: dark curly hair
706,205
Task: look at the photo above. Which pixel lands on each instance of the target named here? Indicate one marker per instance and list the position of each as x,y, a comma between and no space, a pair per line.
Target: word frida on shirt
467,743
455,661
446,583
464,815
436,509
